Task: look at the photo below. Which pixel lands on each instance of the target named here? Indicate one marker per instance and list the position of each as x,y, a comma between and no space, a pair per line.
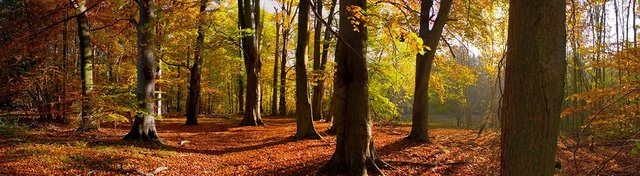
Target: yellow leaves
357,16
416,44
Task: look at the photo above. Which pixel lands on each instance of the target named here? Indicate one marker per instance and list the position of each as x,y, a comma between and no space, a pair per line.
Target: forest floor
219,147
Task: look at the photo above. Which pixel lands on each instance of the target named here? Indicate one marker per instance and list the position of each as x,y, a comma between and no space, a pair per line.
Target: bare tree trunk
325,55
240,94
65,54
317,90
144,127
420,116
283,73
193,102
248,20
274,95
354,151
86,62
304,118
158,74
179,93
534,86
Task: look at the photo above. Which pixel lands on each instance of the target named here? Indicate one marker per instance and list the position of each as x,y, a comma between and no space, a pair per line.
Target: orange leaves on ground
218,147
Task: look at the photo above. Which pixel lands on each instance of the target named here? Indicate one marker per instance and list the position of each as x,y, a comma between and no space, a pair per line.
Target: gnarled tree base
191,122
144,137
251,122
144,130
418,137
337,165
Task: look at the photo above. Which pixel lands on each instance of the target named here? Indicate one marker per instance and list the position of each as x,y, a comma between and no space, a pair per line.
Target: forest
319,87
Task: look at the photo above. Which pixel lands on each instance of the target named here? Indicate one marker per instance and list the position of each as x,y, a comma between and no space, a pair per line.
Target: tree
354,151
304,118
534,86
274,96
249,16
287,23
424,61
193,101
144,127
86,60
317,89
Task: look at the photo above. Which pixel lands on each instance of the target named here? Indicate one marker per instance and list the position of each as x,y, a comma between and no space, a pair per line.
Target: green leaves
636,147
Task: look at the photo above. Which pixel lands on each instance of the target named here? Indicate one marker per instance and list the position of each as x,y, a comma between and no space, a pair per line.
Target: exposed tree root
336,164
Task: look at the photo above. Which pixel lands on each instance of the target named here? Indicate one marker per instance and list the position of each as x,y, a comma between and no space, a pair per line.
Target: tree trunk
159,75
240,94
179,93
193,102
159,91
86,65
274,95
317,89
283,73
534,87
420,116
325,55
355,151
65,53
304,118
144,128
251,61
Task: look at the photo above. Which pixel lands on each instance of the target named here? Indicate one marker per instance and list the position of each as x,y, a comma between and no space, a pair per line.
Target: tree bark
304,118
65,53
420,116
354,151
193,102
274,95
283,73
534,87
324,58
179,93
86,66
248,19
144,128
240,94
317,89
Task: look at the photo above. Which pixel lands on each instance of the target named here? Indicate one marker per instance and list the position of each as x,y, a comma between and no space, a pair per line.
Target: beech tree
274,95
354,151
86,66
317,89
288,15
534,87
304,118
324,57
144,127
424,61
249,17
193,101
